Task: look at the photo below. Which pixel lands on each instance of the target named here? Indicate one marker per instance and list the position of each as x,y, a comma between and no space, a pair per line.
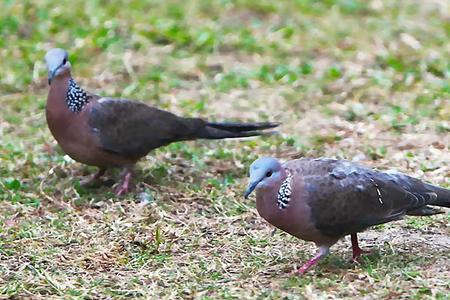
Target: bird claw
93,179
357,255
301,271
357,251
355,260
85,182
122,190
88,182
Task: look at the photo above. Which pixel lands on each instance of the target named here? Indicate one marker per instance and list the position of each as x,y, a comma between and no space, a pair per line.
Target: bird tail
213,130
442,195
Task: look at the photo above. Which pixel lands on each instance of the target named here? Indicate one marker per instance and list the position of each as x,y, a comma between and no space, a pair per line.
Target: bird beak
250,189
52,74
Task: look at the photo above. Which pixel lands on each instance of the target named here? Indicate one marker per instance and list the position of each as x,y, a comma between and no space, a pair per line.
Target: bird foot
90,180
322,252
302,270
357,251
123,188
357,254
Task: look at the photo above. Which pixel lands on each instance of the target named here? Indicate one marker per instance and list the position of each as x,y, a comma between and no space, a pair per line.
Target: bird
323,199
114,132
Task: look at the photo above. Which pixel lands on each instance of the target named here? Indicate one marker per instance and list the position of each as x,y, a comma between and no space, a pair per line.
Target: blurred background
362,80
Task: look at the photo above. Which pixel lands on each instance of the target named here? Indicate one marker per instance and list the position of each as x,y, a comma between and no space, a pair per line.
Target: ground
361,80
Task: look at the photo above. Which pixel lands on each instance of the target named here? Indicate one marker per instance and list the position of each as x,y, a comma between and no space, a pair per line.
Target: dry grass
351,79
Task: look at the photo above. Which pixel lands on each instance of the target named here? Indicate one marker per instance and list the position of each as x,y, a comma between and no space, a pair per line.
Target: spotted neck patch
285,191
76,97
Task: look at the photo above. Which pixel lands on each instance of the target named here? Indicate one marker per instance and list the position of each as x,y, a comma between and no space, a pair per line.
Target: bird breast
294,218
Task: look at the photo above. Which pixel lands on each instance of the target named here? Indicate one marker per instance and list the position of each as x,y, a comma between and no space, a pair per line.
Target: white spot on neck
76,97
285,191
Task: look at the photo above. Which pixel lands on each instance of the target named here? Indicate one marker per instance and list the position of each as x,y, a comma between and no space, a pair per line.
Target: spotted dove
108,132
322,200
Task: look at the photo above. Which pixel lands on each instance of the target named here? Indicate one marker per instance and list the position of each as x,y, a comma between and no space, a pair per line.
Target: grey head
57,61
264,172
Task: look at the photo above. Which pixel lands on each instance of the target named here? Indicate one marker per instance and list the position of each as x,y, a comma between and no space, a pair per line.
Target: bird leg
123,187
355,248
93,178
323,251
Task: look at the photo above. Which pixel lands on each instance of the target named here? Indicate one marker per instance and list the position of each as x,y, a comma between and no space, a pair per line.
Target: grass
362,80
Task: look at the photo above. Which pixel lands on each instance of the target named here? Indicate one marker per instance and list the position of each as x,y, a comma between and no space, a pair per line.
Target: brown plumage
109,132
322,200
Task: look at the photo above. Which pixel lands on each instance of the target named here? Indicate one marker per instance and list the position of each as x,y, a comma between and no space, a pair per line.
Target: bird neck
276,196
64,90
76,97
285,189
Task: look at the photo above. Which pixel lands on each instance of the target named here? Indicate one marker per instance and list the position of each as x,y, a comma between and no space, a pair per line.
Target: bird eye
64,61
269,173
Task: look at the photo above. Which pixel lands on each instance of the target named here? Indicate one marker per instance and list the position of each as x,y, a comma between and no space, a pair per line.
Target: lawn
362,80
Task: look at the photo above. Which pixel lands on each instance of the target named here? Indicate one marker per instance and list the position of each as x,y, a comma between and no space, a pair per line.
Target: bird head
57,61
264,172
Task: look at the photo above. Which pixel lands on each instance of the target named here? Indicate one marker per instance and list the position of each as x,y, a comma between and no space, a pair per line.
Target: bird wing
345,197
133,129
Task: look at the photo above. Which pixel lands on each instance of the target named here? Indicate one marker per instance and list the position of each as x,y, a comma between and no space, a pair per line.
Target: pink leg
323,251
124,185
355,247
93,178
